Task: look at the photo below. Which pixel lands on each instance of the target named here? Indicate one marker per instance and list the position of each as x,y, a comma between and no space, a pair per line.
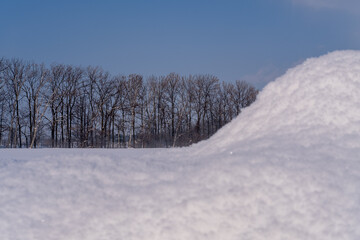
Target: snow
287,168
316,102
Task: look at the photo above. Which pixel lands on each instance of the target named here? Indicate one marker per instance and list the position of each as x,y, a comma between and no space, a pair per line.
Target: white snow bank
287,168
317,102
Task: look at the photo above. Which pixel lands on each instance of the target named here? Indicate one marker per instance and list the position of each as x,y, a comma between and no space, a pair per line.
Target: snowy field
287,168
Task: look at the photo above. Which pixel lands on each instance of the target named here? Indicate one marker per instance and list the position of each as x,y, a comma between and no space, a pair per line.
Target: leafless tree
205,86
243,95
172,92
2,99
14,80
71,85
36,78
55,94
106,104
133,89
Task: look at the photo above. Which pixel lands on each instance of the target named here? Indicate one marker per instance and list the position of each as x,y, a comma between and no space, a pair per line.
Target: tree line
69,106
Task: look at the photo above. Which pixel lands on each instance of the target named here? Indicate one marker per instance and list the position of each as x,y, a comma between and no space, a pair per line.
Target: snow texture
287,168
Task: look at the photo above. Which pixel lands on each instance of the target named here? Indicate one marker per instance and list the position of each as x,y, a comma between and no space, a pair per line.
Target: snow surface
287,168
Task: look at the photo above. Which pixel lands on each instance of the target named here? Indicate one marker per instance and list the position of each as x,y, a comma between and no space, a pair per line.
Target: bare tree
106,103
71,84
183,113
243,95
229,111
95,76
14,80
150,118
172,92
133,90
55,95
122,107
2,99
36,78
205,86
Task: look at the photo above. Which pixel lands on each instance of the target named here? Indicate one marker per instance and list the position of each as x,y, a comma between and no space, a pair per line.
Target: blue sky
253,40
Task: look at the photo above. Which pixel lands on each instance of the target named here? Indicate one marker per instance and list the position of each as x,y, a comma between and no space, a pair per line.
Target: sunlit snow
287,168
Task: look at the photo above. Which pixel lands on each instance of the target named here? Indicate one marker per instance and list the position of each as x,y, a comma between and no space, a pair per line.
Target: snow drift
287,168
314,103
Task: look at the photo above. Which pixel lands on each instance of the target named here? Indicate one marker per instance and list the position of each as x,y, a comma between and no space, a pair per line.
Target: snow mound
315,102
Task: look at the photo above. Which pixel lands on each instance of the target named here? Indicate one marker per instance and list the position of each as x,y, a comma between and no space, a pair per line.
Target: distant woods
67,106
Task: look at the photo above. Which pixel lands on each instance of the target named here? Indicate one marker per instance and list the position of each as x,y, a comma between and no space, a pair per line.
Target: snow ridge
311,103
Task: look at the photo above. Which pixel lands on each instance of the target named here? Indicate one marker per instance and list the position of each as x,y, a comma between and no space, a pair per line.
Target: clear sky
253,40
